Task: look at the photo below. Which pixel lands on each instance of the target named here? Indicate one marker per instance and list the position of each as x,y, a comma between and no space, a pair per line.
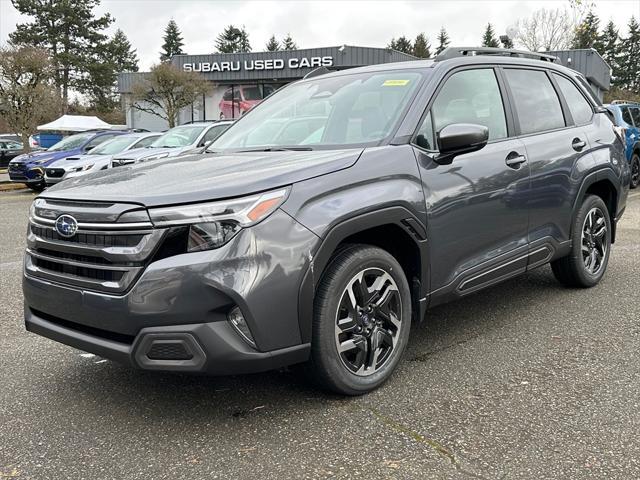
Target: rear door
477,214
556,147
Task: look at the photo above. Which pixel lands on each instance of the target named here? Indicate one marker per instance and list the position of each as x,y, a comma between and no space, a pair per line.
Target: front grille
99,240
101,256
80,272
55,172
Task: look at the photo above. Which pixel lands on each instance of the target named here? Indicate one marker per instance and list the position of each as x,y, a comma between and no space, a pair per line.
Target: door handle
514,160
578,144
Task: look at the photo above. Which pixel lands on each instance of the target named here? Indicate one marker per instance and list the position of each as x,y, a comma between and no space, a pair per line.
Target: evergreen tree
630,67
402,44
489,38
288,43
421,47
611,50
69,31
113,57
243,42
233,40
273,45
172,42
443,41
586,33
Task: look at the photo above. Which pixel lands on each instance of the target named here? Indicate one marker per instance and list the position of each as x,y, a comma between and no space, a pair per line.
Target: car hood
140,153
40,157
196,178
81,160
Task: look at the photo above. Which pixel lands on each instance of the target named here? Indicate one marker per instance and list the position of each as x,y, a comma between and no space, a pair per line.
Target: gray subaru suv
329,218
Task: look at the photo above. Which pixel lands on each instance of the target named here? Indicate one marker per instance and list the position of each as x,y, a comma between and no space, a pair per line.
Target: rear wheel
362,318
590,247
635,170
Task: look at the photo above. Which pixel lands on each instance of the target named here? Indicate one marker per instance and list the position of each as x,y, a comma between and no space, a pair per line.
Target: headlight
155,157
83,168
213,224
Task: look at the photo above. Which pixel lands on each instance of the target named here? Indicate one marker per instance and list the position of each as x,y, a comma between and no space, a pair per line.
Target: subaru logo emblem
66,226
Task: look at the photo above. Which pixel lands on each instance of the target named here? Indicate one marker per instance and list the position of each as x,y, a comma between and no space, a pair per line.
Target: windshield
71,143
251,93
343,110
178,137
115,145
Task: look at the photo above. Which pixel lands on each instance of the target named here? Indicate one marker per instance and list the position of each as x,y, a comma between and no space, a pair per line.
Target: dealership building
241,80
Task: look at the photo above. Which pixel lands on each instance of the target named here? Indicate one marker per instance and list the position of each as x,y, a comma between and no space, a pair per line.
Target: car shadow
189,398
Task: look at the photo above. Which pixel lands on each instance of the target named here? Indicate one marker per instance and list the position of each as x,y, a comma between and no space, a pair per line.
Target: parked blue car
627,117
29,168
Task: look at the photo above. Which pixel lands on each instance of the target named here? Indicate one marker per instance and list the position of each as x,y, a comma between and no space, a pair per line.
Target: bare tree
547,29
27,94
166,90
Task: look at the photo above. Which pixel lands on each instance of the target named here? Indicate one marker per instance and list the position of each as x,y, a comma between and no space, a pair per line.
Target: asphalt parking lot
524,380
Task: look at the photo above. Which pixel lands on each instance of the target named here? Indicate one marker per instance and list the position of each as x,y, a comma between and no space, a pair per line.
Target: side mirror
460,138
90,147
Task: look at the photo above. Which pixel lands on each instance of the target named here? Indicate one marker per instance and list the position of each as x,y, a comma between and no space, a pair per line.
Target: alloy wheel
635,171
594,241
368,321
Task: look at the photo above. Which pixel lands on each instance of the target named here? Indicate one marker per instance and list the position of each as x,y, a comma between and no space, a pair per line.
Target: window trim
506,106
519,133
559,90
631,108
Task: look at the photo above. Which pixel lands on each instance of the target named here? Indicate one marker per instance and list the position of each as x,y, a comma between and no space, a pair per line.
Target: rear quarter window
578,105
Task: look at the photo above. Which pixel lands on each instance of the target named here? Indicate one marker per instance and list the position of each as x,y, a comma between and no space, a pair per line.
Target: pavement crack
422,357
440,449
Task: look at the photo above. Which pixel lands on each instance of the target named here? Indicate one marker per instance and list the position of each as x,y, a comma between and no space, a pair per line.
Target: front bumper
25,174
213,348
184,299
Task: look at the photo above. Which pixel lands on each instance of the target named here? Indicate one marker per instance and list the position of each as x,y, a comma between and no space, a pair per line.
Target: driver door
477,215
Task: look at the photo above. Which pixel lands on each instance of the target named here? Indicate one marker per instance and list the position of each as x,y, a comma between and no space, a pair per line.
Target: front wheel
635,170
36,187
590,246
362,318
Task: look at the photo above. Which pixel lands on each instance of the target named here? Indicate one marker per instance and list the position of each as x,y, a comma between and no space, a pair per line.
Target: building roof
281,66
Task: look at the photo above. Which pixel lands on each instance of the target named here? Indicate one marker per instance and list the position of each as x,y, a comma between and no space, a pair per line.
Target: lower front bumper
211,348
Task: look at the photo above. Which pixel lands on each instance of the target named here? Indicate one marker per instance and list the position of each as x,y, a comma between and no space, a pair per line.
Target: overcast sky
314,23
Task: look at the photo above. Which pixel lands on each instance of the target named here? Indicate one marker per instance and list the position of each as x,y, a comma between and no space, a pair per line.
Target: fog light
236,319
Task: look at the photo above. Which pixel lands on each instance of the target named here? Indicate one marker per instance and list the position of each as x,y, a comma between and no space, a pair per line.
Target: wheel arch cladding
601,186
395,230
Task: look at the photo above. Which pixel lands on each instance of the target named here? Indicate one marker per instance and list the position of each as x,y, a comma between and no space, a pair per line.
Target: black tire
635,170
36,187
578,269
378,326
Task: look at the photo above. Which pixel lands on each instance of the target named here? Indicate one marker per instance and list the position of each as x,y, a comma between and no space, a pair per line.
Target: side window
145,142
424,138
635,114
228,95
213,133
535,100
97,141
578,106
626,115
470,96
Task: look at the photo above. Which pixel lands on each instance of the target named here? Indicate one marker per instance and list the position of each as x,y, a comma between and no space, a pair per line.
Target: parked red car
241,98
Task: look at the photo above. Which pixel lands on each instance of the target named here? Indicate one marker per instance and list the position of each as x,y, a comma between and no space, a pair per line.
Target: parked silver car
97,159
175,142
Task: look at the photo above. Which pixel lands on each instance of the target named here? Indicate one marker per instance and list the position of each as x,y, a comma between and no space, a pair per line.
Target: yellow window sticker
395,83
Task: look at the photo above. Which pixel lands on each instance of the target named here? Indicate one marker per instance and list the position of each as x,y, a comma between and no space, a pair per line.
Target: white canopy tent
75,123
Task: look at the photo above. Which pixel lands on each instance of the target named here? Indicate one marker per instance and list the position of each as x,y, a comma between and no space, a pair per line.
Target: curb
8,186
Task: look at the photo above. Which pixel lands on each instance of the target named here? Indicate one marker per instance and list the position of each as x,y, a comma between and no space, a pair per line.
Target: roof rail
624,102
455,52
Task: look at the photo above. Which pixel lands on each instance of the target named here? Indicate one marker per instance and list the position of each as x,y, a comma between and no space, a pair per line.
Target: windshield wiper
278,149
